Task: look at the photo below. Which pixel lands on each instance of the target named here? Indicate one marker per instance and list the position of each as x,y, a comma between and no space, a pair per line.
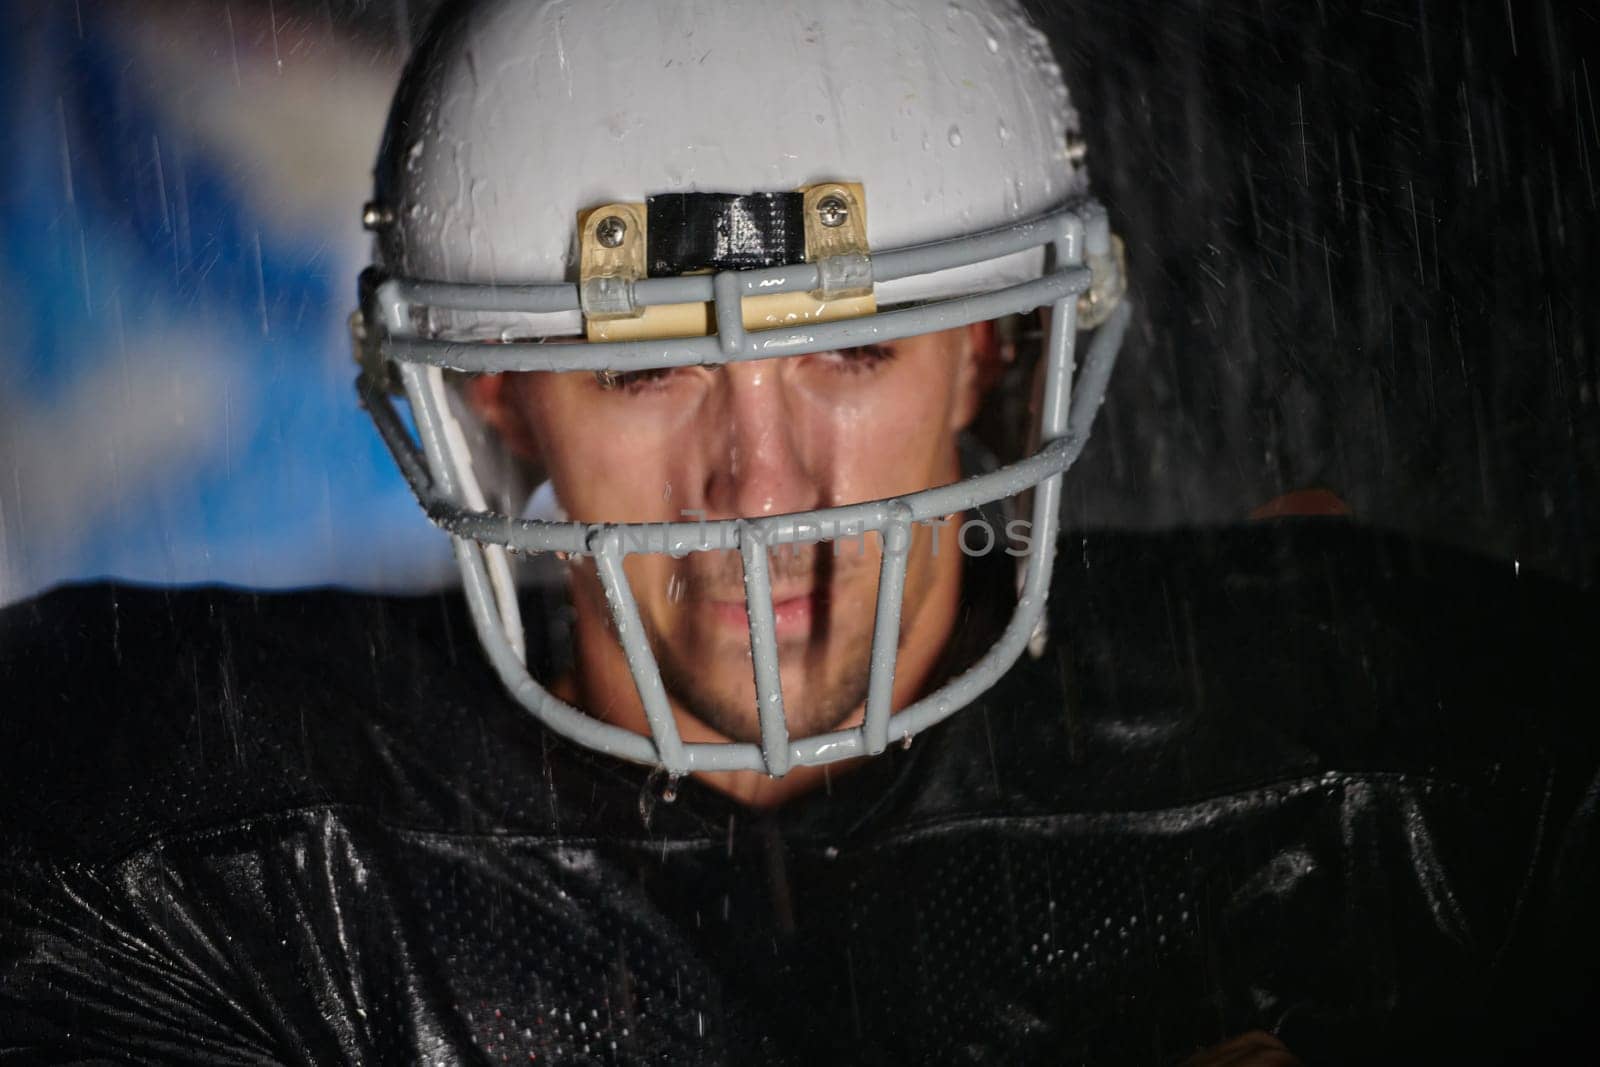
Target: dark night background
1363,238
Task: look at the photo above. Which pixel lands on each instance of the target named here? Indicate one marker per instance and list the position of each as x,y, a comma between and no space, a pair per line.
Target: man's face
750,440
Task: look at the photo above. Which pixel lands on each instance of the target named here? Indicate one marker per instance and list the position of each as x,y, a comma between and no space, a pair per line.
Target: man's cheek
617,486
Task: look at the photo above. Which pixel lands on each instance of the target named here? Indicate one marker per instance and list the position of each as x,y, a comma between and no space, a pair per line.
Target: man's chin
731,711
708,672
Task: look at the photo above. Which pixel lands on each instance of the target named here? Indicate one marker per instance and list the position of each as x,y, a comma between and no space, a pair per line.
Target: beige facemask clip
612,243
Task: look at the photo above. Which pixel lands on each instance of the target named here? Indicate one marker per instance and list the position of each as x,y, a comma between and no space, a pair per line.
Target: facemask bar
441,476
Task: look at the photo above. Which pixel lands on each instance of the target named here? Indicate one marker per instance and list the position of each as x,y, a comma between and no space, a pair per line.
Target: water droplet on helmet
955,137
993,45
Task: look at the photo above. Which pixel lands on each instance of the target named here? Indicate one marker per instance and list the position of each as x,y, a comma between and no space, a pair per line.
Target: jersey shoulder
1325,644
1201,663
139,713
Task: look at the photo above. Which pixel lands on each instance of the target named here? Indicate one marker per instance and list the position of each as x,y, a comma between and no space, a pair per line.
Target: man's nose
757,467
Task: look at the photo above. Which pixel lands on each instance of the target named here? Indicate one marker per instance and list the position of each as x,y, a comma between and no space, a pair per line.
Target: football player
742,349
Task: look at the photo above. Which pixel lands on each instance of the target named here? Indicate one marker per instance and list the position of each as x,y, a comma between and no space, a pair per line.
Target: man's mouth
792,615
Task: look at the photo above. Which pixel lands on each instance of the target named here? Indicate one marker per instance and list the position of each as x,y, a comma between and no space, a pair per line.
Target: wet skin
749,440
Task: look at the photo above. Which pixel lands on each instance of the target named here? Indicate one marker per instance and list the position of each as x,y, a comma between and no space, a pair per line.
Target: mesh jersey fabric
1302,776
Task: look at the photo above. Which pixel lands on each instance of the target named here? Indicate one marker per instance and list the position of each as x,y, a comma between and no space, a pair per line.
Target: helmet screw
610,231
1077,150
376,216
832,210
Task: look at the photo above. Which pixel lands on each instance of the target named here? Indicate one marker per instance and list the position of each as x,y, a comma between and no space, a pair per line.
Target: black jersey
1301,776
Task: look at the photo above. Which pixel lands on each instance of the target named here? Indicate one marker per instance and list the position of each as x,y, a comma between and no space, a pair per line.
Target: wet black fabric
1300,776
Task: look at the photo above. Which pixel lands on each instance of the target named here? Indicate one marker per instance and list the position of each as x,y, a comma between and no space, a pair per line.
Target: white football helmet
696,182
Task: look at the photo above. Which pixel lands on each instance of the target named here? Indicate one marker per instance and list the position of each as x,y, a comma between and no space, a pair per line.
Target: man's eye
856,360
633,381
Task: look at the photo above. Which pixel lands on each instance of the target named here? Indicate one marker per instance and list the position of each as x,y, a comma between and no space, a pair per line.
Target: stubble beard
834,665
828,700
